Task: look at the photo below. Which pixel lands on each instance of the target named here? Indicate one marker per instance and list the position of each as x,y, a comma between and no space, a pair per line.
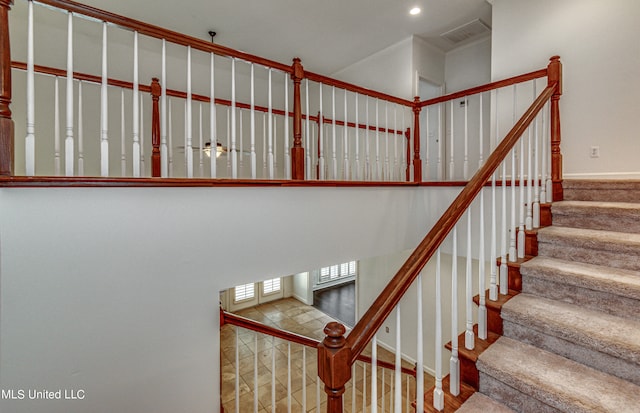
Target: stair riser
584,297
559,249
600,220
601,195
604,362
511,397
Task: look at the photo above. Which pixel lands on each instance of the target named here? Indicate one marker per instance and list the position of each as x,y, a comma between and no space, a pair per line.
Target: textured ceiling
327,35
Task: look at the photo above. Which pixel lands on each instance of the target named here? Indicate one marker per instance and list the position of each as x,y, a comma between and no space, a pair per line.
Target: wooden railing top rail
485,88
389,298
246,323
161,33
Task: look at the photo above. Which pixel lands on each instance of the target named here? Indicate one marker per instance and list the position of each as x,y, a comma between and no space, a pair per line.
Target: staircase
571,338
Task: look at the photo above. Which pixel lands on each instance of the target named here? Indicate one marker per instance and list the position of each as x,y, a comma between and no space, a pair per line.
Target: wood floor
338,302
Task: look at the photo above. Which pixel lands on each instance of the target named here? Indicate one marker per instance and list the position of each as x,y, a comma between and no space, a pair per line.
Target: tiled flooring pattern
291,315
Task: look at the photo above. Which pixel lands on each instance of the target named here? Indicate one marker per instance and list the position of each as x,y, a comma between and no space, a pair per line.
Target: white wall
115,291
388,70
598,44
428,62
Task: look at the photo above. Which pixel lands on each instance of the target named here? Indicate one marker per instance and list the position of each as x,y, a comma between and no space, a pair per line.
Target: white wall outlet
595,152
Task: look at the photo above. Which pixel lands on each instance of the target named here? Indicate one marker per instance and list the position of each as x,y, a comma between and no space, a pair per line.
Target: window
244,292
334,272
271,286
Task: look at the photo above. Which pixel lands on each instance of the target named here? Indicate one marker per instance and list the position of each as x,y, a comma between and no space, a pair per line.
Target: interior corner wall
598,45
388,71
428,62
468,66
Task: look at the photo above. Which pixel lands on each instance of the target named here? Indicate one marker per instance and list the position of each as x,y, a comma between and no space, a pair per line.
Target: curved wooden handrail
485,88
389,298
161,33
246,323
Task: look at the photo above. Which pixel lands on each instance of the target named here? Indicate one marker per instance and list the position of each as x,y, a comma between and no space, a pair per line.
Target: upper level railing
215,112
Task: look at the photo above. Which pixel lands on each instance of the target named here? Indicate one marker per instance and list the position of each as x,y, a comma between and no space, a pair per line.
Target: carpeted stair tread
616,281
608,216
556,381
479,403
599,247
611,190
594,330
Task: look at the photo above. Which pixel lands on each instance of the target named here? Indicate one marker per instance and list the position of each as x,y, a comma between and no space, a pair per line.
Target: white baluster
358,175
228,141
253,126
334,159
440,142
504,270
104,109
288,374
398,376
378,166
512,237
307,134
264,145
30,139
396,172
454,363
543,161
426,174
304,375
549,183
364,388
123,137
317,394
321,138
465,165
529,206
273,375
452,147
68,142
469,339
170,139
275,144
406,407
353,387
255,365
240,139
374,375
536,176
142,169
164,155
386,142
200,142
345,136
367,149
287,152
481,138
270,132
81,130
234,153
482,308
438,394
521,205
136,109
420,349
213,123
237,392
493,288
403,148
56,128
383,390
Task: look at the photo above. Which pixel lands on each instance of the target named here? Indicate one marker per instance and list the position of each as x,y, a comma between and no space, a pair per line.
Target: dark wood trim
156,91
386,365
239,321
417,162
161,33
384,304
357,89
6,122
485,88
297,151
555,77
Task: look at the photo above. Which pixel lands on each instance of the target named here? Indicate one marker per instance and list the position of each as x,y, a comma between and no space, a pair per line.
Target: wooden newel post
156,91
333,365
417,163
6,122
554,75
297,151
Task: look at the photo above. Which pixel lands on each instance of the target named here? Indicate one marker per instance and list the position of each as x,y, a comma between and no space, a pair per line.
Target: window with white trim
244,292
335,272
271,286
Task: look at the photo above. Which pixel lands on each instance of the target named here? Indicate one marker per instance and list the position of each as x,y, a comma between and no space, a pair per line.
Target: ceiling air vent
468,30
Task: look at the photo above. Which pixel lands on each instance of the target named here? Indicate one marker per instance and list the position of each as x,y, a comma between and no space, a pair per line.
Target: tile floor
291,315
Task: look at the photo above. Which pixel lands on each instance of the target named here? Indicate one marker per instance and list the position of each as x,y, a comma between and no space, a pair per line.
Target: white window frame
342,274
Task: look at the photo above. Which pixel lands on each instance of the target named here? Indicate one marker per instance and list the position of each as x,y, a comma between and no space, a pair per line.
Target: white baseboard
602,175
303,300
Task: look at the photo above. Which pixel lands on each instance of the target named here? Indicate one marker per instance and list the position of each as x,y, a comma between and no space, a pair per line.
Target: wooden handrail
389,298
246,323
161,33
485,88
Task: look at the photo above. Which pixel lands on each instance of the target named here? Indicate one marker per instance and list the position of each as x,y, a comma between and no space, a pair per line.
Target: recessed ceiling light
414,11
